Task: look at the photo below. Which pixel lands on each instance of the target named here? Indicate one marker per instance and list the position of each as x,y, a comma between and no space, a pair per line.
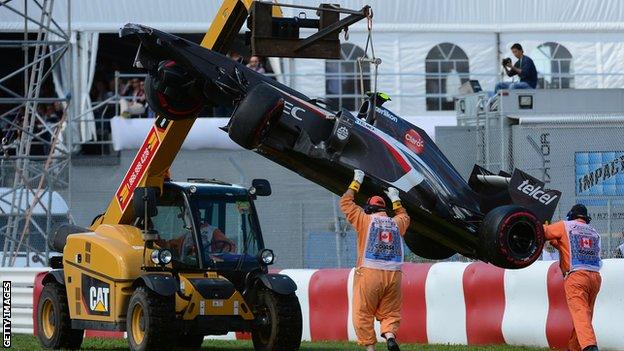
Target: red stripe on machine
137,169
484,295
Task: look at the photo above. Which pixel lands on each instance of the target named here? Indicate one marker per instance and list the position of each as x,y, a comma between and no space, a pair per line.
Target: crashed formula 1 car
496,218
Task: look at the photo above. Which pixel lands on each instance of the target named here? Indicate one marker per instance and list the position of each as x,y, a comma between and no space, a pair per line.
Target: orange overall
376,291
579,260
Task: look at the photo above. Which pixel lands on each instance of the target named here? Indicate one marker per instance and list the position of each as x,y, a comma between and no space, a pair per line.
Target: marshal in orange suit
377,279
579,259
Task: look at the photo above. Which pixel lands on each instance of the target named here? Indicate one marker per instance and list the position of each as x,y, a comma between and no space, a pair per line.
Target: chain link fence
572,143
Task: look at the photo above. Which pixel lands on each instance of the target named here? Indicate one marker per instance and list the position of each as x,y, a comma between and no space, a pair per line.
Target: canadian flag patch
586,243
385,236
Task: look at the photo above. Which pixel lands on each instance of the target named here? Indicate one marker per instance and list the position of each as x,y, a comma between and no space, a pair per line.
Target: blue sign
599,173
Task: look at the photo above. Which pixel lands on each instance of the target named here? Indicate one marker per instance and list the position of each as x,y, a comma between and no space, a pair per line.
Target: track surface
25,342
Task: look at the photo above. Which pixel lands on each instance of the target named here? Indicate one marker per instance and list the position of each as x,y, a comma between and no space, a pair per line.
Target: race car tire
167,92
426,247
511,237
253,116
283,323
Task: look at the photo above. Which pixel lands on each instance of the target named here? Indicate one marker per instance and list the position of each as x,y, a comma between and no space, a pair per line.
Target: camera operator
523,68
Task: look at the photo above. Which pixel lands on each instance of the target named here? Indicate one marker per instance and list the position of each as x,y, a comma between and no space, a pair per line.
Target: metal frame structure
31,178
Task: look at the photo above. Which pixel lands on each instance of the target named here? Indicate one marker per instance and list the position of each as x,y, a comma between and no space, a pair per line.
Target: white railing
22,283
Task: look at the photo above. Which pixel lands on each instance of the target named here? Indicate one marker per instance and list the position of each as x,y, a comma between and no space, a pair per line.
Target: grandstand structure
36,152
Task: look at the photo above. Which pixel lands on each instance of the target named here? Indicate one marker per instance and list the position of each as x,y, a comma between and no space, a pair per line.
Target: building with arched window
554,66
446,67
343,79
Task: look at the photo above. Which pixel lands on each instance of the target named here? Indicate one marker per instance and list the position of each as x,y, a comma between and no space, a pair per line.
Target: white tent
578,39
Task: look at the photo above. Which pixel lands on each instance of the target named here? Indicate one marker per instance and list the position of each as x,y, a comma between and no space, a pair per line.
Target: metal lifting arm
165,137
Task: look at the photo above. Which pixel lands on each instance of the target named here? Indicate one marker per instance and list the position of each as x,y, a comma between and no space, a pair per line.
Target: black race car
496,218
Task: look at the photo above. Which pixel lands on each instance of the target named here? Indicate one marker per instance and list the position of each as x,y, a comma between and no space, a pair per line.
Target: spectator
523,68
235,56
255,65
58,109
135,106
101,91
619,251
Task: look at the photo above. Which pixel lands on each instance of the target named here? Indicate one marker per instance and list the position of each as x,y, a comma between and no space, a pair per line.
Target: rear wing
520,189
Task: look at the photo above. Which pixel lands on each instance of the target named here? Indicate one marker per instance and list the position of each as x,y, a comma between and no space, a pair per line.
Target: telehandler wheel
280,322
149,321
253,116
54,325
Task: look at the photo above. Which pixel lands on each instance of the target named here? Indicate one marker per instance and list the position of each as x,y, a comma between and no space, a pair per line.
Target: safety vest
584,246
384,245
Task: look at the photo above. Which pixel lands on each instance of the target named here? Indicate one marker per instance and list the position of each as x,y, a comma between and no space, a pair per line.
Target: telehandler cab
193,264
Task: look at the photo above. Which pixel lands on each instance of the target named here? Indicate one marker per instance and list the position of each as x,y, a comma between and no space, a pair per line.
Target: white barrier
444,303
22,281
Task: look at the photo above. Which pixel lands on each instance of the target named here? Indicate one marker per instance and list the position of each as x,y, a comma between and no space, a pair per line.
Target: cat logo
96,296
98,299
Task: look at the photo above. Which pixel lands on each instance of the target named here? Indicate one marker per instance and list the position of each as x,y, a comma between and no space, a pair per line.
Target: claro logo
536,192
414,141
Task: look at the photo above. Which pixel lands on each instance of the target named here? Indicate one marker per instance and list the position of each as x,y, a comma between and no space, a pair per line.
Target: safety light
165,256
161,257
154,257
267,256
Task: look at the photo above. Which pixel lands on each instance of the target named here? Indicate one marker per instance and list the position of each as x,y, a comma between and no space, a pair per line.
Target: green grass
30,343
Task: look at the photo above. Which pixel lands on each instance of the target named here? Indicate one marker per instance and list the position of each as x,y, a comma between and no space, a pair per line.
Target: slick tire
149,321
427,248
168,92
54,325
511,237
283,322
252,119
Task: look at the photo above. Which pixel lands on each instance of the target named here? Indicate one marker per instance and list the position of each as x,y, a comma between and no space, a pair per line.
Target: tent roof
396,15
58,204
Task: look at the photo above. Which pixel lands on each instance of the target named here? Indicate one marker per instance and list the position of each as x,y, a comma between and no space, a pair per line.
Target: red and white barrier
463,303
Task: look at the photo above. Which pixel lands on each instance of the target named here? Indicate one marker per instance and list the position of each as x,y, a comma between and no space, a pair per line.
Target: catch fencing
569,139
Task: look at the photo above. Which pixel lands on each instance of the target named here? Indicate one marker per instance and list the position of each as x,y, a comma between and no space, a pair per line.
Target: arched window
554,66
342,78
446,68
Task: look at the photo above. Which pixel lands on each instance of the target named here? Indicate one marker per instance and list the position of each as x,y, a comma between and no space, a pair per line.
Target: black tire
54,325
155,316
284,327
427,248
253,116
511,237
168,92
189,342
